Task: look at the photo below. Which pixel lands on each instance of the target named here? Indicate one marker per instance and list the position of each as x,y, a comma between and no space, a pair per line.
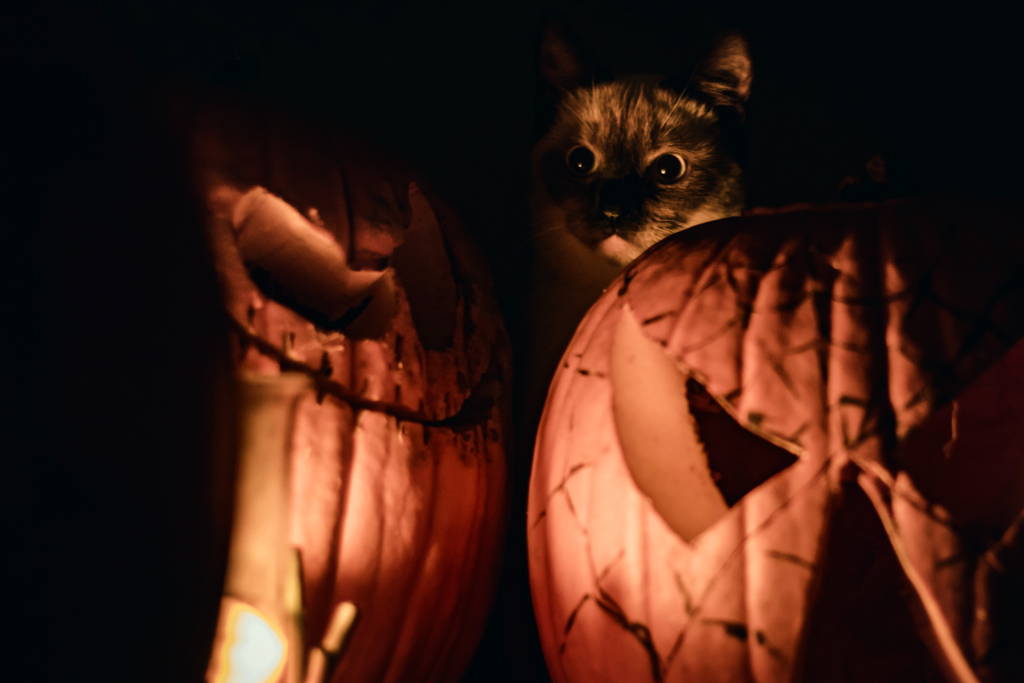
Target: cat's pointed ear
560,64
725,75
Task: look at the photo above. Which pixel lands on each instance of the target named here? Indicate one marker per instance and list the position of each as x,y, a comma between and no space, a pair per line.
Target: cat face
627,162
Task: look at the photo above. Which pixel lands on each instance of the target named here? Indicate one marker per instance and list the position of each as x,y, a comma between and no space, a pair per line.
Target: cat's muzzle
620,204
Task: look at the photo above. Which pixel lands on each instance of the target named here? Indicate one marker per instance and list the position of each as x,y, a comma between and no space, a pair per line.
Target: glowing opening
249,648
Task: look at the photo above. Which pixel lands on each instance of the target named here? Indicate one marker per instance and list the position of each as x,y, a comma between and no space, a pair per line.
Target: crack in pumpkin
475,409
561,487
735,629
611,564
655,318
685,592
607,602
689,608
742,632
794,438
737,551
871,425
603,598
779,368
791,558
712,337
571,621
638,630
627,279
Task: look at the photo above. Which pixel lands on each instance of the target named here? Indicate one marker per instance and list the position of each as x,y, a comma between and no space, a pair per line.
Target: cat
624,164
628,162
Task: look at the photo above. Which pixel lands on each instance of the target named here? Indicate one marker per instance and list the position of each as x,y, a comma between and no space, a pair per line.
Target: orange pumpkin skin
807,328
397,450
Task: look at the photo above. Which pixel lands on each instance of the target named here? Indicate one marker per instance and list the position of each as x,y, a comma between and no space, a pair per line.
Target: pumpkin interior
966,457
686,454
860,626
724,439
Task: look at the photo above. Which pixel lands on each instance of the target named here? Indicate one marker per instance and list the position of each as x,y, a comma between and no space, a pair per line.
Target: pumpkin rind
397,450
833,333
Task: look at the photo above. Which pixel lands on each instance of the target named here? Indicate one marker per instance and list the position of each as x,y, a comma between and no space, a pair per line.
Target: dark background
100,534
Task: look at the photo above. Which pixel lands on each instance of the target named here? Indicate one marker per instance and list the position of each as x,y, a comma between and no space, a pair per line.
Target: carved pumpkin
339,268
789,447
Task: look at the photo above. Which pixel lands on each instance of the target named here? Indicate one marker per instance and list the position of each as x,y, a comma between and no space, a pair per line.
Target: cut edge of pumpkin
663,479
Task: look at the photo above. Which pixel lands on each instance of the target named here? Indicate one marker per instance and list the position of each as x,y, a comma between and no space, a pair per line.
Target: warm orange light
249,648
319,664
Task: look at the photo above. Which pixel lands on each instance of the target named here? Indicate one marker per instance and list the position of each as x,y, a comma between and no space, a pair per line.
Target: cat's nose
620,197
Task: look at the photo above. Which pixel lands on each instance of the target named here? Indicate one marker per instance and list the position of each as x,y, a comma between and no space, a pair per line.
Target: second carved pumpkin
342,273
786,447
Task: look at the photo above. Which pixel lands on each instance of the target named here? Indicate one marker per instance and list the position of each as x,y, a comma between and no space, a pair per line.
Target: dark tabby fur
587,226
620,207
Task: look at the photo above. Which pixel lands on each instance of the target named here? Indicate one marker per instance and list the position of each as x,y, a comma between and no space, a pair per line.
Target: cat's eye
668,168
580,160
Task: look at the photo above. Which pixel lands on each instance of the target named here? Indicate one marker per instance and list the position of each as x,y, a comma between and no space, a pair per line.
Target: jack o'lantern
372,440
789,447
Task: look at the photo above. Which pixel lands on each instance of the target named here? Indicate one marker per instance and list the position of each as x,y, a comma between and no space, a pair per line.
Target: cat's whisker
675,105
549,230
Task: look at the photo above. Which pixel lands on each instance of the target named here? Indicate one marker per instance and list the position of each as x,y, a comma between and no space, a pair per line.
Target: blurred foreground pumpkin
790,447
372,443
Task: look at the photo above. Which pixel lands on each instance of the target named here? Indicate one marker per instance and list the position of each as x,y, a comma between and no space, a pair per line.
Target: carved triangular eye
685,453
657,433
